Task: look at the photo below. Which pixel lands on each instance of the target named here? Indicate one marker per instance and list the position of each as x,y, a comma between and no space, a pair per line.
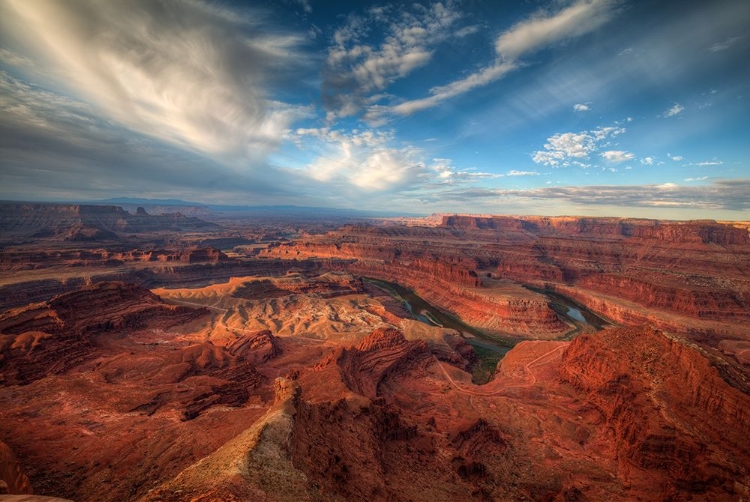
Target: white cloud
355,70
545,28
521,173
722,46
366,160
696,179
581,108
192,74
721,194
677,108
447,174
706,163
466,31
617,156
540,30
305,4
441,93
563,148
372,161
676,158
647,161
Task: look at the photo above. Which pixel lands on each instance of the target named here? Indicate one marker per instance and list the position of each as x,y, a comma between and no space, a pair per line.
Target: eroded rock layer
601,418
691,277
74,222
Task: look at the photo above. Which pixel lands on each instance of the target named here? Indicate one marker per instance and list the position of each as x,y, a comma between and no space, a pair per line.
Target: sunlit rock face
690,277
178,371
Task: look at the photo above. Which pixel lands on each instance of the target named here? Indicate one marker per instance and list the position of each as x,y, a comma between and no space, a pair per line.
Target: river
489,348
428,314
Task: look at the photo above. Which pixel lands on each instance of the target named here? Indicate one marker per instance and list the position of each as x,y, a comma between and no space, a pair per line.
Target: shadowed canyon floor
274,371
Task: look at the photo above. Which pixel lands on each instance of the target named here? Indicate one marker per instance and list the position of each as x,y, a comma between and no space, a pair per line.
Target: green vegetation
483,370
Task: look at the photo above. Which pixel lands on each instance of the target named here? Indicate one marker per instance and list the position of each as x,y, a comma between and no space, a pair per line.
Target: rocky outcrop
256,348
326,285
158,275
347,447
255,465
381,354
203,255
701,231
654,393
74,222
448,282
697,270
51,337
12,478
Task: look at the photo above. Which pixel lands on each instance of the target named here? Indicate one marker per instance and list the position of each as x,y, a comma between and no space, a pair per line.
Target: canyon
164,358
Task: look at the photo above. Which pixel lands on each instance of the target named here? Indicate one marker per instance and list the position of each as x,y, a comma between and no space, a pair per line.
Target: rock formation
74,222
690,277
12,478
283,375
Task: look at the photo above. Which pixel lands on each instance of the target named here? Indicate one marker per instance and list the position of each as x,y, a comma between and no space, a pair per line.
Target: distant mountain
304,212
134,201
199,209
88,222
161,206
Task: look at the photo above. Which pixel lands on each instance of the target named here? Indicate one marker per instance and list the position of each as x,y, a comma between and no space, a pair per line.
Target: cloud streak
542,29
719,195
675,110
617,156
356,71
564,149
366,161
195,76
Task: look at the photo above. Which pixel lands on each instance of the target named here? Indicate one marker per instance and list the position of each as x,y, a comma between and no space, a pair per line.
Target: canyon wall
654,393
78,222
691,277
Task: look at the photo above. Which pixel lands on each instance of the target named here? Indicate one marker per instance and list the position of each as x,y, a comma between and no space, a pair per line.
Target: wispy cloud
675,158
545,28
616,156
57,147
305,4
696,179
356,71
372,161
726,44
367,160
563,148
706,163
521,173
647,161
581,108
195,76
677,108
721,194
542,29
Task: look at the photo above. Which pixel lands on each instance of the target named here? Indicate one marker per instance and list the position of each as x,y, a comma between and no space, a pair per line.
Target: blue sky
598,107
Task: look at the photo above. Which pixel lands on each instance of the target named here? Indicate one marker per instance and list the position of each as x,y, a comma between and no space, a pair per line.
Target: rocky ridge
78,222
684,276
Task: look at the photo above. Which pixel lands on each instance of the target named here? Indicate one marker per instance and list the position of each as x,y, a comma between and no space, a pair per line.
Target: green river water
489,348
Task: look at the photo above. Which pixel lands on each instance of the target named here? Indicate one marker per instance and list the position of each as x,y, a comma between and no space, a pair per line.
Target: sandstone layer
689,277
562,421
170,371
73,222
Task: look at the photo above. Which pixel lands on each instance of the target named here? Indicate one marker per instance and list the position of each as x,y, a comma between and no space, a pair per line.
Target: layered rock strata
690,277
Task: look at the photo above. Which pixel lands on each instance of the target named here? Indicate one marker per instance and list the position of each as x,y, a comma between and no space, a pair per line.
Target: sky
584,107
